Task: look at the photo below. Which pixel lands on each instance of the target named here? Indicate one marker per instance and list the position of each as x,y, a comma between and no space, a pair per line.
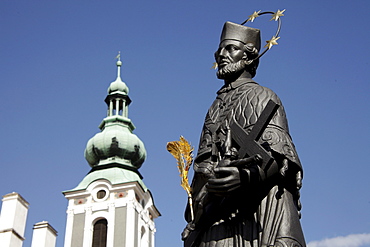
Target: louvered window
100,233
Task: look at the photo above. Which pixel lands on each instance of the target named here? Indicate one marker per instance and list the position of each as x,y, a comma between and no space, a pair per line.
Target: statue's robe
264,211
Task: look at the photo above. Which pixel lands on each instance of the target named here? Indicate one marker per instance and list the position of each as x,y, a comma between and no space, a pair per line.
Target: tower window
101,194
100,233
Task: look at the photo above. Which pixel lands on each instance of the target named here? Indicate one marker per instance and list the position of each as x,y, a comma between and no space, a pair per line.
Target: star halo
269,43
276,17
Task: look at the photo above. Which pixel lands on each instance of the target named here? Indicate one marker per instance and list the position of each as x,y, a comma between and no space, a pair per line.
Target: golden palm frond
187,152
183,153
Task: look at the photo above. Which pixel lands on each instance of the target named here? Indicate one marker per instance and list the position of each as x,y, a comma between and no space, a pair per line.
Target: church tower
111,206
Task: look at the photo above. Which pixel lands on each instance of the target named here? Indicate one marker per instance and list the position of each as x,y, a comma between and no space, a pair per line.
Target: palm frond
183,153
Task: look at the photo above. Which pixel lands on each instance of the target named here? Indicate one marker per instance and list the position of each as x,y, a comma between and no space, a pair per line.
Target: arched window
100,233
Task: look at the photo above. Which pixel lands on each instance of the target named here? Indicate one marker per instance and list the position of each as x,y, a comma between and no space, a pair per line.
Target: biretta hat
233,31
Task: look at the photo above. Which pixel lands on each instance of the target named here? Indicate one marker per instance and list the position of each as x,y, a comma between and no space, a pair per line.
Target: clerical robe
264,210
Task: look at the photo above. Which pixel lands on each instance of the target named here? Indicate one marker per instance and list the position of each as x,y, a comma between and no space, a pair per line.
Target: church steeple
116,143
111,206
118,87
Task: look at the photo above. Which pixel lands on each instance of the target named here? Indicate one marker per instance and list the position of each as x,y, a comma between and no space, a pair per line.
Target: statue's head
238,50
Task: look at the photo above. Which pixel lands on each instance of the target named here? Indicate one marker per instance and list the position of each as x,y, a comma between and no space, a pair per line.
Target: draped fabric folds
265,210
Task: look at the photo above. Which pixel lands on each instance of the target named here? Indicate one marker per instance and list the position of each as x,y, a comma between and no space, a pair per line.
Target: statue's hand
227,180
206,169
188,229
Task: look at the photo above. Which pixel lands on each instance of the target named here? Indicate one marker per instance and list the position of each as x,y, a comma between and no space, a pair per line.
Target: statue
247,174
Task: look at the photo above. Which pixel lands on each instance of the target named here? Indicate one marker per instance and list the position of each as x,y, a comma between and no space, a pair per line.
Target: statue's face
229,51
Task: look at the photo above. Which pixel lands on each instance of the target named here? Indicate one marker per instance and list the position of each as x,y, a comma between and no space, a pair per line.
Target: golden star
215,65
253,16
271,42
277,15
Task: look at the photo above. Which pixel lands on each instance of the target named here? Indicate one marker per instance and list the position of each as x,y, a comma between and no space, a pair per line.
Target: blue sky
57,59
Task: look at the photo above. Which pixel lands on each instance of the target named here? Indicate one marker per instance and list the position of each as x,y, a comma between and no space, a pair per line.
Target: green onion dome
116,144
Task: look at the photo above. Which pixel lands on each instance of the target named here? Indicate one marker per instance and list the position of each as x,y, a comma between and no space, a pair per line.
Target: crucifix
248,142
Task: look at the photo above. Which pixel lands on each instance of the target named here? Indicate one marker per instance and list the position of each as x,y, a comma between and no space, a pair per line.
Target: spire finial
119,63
118,57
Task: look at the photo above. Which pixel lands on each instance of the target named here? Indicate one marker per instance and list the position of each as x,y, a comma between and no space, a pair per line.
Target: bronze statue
251,197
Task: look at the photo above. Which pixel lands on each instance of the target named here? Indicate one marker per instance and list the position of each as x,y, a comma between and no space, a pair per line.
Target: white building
111,206
13,218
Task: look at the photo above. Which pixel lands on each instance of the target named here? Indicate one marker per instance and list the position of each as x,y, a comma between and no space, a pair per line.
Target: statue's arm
244,173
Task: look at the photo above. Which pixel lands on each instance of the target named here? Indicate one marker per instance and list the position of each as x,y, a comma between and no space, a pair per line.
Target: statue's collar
235,84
